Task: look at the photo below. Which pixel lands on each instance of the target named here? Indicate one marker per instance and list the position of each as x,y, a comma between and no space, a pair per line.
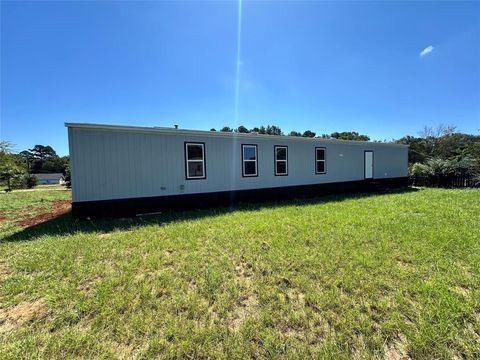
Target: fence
445,181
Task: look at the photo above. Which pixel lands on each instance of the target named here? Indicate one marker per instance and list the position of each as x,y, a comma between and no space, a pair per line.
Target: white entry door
368,164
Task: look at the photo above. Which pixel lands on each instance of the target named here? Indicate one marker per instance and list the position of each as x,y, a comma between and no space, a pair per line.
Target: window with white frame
320,160
281,160
249,160
195,161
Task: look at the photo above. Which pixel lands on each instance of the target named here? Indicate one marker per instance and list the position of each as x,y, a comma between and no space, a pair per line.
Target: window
195,161
320,166
281,160
249,160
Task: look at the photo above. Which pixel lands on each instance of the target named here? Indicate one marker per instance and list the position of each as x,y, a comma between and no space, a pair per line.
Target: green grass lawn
22,204
391,276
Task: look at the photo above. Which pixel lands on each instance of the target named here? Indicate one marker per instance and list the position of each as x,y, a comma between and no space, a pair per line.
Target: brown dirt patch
248,302
308,327
296,297
397,350
18,315
57,208
245,310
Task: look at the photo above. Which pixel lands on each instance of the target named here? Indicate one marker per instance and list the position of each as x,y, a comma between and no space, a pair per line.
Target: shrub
439,172
14,181
20,180
418,170
30,181
440,167
466,167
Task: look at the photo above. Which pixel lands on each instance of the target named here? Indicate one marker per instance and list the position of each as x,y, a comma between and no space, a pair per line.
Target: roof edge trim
187,132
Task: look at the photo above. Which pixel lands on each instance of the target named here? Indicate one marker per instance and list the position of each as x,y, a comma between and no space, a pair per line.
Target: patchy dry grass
391,276
16,316
29,207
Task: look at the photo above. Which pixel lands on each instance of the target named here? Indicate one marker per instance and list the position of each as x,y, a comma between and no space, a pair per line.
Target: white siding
114,164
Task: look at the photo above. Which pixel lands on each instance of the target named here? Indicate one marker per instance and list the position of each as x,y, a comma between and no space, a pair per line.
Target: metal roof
187,132
49,176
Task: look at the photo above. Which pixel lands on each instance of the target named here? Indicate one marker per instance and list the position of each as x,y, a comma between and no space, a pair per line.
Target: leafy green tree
294,133
8,168
273,130
27,159
226,129
308,133
5,150
42,159
242,129
456,145
42,152
349,135
53,164
417,152
7,174
442,144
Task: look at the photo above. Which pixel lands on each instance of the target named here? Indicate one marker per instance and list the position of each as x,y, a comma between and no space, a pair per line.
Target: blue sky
324,66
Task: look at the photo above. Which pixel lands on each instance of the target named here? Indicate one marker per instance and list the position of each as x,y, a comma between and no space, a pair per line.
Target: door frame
364,164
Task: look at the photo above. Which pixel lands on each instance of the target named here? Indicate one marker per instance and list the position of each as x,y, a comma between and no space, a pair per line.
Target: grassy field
387,276
20,205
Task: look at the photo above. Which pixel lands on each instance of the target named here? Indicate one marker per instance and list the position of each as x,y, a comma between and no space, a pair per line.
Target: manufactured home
50,178
127,170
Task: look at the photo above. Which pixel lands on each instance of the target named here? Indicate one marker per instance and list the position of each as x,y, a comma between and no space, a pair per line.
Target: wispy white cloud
426,51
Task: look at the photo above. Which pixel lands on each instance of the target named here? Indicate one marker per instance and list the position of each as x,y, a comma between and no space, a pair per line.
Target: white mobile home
128,169
50,178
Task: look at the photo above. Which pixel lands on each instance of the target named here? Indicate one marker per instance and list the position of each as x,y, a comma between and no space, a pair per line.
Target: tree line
16,169
275,130
443,152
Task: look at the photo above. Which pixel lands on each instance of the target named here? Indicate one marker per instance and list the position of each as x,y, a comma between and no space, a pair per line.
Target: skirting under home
128,170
